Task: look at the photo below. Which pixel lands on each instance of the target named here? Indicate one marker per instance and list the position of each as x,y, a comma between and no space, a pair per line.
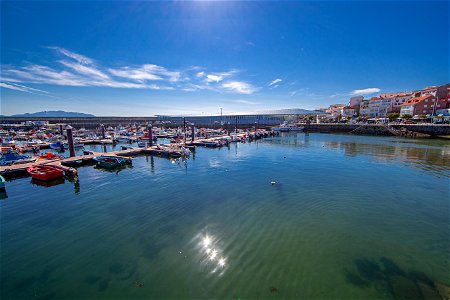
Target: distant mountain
54,113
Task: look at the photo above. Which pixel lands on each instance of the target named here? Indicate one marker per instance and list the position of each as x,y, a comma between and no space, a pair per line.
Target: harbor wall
375,129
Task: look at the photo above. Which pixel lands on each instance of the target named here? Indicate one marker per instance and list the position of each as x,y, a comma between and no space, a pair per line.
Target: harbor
171,150
180,146
144,230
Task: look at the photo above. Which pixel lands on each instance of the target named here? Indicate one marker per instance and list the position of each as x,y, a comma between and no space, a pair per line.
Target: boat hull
110,162
45,173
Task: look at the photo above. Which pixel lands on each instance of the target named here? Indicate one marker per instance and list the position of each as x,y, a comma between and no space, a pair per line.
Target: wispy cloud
25,89
213,78
73,69
240,87
146,72
84,70
367,91
77,57
278,80
247,102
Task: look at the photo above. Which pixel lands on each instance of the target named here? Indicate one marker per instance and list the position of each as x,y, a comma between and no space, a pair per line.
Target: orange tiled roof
416,100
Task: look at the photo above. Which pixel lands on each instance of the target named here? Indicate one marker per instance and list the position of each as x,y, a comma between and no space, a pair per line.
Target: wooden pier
174,150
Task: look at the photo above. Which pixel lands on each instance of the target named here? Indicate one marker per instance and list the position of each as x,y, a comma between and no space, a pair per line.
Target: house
364,108
379,107
396,99
424,105
335,109
348,111
443,97
355,101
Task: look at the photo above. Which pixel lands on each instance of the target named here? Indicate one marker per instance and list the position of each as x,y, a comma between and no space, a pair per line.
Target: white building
379,107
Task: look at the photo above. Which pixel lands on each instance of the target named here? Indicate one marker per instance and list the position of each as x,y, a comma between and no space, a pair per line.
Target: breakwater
432,130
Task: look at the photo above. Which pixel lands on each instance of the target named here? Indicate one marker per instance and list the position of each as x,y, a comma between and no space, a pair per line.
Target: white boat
288,127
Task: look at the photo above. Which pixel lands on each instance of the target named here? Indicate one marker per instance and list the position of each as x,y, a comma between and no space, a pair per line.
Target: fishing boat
13,158
50,155
111,162
57,146
8,141
4,150
287,128
45,172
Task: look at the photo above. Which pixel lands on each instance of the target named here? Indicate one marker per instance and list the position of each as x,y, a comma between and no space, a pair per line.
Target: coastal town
224,150
431,104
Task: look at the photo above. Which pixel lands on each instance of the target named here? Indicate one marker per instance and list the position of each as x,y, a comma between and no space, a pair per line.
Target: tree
393,116
407,116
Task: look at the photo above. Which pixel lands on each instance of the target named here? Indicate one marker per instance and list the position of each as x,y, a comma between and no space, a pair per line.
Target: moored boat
45,172
57,146
288,128
50,155
14,158
111,162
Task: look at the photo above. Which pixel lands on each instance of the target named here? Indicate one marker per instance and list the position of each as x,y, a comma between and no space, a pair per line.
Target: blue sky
145,58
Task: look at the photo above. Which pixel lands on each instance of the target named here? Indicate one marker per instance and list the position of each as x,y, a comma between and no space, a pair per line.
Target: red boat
45,172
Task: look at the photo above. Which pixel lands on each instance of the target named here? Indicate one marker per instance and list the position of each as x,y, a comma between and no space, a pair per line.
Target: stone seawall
375,129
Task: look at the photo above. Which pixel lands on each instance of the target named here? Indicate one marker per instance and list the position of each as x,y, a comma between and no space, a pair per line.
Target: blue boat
57,146
14,158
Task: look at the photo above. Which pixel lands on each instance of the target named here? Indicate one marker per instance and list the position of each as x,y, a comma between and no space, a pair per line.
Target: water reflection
3,195
433,159
48,183
429,155
212,255
297,140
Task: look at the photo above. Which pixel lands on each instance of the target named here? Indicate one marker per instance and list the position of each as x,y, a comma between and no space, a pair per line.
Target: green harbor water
349,217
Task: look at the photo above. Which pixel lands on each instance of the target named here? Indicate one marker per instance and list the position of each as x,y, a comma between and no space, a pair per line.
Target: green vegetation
407,116
393,116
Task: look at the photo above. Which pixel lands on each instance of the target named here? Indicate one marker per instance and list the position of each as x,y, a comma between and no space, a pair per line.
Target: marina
145,230
224,150
15,164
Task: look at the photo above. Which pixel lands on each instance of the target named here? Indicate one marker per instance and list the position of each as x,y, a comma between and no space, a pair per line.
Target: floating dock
174,150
